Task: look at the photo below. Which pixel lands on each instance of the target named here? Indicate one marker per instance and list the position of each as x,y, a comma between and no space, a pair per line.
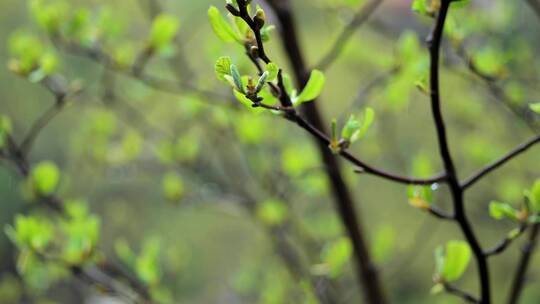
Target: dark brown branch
518,282
337,48
434,42
364,268
439,213
324,140
505,243
243,13
460,293
500,162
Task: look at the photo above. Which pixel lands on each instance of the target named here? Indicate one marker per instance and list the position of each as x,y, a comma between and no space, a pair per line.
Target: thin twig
439,213
39,125
460,293
518,282
500,162
337,48
506,242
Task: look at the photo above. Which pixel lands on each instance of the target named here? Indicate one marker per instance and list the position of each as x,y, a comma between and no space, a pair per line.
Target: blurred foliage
202,197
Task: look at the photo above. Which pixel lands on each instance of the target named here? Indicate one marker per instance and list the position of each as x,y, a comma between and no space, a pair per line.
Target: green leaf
384,243
45,177
147,263
27,49
457,258
124,251
351,128
50,17
221,27
436,289
534,197
246,102
498,210
421,7
490,61
164,29
336,256
223,67
5,130
172,186
273,71
266,31
272,212
312,89
420,196
535,107
355,129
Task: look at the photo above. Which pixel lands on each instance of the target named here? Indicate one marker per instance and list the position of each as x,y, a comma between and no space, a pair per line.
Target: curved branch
359,18
460,293
505,243
364,167
500,162
39,125
518,282
434,42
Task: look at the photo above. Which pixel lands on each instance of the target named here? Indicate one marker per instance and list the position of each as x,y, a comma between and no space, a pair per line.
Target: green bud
261,82
237,78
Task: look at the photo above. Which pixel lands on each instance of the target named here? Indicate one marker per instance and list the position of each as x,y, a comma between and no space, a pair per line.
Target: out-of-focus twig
358,19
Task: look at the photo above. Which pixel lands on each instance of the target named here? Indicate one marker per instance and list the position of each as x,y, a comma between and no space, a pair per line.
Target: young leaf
420,196
221,27
498,210
164,29
172,187
351,128
247,102
354,129
273,71
535,107
45,177
458,256
223,67
5,129
336,255
421,7
384,243
147,263
534,197
312,89
272,212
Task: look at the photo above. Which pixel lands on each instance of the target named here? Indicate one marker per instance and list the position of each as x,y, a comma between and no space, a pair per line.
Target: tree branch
518,282
500,162
460,293
506,242
337,48
434,42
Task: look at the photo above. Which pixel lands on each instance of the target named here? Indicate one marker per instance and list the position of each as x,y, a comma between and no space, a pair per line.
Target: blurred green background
217,189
